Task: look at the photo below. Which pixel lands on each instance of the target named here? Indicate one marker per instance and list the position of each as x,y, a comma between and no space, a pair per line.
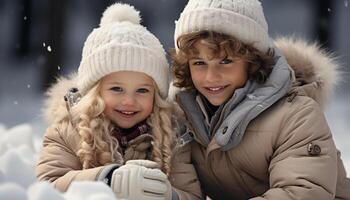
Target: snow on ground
338,115
19,149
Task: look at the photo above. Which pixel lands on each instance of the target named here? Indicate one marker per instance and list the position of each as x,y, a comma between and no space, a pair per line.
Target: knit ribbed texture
122,44
243,19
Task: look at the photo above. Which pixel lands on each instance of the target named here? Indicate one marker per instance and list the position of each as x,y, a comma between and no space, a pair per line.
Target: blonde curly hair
98,147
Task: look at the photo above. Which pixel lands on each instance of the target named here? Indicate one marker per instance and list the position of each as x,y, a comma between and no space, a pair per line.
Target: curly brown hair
259,63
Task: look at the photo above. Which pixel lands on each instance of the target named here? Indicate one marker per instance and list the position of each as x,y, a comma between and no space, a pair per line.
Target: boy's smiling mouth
215,90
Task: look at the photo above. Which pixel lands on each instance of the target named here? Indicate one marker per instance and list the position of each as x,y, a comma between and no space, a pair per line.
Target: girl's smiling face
216,78
128,97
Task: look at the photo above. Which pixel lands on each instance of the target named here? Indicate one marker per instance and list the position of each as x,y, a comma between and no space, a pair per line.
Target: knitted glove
140,179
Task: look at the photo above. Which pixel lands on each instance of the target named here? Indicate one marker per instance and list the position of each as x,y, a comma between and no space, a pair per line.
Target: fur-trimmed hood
316,72
55,106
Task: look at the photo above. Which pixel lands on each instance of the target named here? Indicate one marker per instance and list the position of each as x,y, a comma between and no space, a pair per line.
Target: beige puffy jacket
58,162
287,152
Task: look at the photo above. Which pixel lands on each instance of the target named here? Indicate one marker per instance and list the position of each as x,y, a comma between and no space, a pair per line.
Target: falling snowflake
48,48
58,67
329,10
28,86
346,3
44,44
25,18
15,102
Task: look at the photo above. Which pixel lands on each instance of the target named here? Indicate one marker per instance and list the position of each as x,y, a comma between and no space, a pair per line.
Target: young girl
114,110
255,109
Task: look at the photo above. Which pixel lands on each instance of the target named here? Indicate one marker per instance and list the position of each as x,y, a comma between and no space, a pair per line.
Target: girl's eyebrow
115,83
147,85
140,85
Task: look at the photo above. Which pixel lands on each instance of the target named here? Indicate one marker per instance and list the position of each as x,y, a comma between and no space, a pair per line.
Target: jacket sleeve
60,165
304,162
183,176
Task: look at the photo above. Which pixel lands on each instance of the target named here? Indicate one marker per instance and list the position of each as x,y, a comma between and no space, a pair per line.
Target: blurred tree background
41,40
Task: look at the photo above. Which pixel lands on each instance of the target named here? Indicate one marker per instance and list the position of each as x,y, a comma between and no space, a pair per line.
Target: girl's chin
126,126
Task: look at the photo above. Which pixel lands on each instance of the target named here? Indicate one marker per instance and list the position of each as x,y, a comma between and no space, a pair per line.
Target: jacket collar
229,123
187,101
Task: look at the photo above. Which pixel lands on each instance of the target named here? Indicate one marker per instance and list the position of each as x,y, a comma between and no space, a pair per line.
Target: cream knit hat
243,19
120,43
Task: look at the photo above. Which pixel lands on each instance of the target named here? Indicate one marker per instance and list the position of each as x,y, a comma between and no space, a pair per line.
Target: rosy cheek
150,106
106,111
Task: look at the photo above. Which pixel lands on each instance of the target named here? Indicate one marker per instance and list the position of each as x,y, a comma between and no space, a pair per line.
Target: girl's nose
128,100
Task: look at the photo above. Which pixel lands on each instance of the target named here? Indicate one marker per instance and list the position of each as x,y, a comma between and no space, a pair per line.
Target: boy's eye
117,89
226,61
198,63
142,90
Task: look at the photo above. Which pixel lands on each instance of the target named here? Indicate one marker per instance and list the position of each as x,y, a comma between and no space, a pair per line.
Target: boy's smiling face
216,78
128,97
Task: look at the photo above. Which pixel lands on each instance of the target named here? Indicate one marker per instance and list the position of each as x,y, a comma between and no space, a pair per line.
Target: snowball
18,135
2,177
101,197
2,129
43,191
17,169
12,191
89,190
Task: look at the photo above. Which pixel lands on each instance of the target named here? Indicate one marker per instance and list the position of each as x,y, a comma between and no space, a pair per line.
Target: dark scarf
124,136
210,108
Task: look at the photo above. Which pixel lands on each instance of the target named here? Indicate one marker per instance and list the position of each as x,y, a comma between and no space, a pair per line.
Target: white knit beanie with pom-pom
120,43
243,19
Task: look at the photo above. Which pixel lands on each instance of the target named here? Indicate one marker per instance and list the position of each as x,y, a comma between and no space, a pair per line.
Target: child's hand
140,179
146,163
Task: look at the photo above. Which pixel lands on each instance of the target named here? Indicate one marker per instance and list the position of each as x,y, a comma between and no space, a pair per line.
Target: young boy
254,107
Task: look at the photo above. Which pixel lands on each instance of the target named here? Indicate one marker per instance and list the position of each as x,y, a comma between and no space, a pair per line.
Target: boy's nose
212,75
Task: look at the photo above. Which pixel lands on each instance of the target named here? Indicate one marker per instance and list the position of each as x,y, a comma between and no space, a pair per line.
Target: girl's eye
226,61
117,89
142,90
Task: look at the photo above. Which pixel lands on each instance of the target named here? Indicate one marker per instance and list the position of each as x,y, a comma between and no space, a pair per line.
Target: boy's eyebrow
195,57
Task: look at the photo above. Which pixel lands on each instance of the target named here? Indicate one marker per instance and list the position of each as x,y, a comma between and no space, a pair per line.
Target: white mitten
140,179
146,163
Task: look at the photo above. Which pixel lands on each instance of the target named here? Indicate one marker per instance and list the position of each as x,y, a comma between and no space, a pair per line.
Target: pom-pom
119,12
